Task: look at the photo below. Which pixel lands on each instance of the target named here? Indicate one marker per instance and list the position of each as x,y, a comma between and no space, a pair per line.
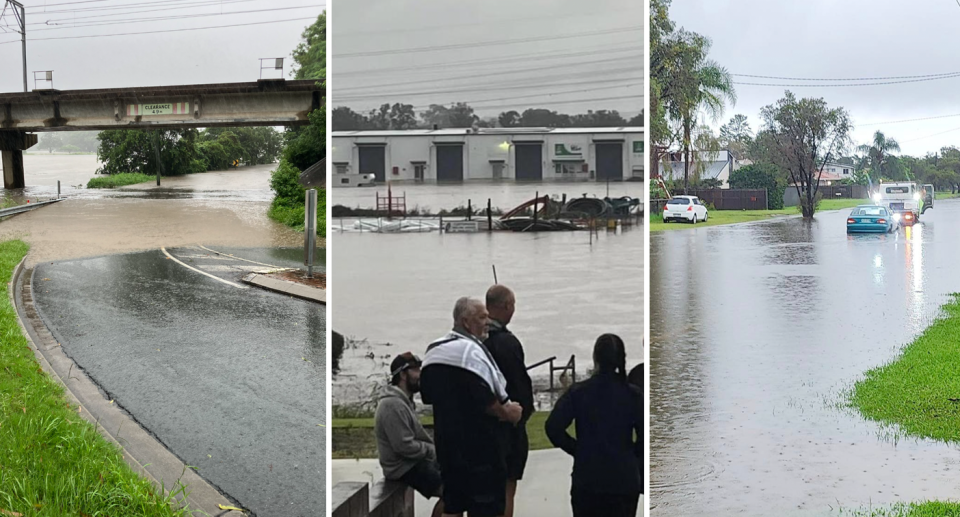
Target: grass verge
926,509
918,393
119,180
354,437
52,461
947,195
718,217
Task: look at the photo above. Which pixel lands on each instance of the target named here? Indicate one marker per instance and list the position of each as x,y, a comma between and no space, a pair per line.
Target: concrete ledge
142,451
286,287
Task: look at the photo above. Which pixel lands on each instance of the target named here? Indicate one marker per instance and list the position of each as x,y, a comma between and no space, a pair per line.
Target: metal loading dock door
450,163
609,161
373,161
529,162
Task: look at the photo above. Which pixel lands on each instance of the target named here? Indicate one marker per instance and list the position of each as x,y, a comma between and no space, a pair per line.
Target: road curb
142,451
289,288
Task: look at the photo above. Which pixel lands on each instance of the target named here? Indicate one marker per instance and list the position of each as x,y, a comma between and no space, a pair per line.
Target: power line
848,78
909,120
458,25
168,18
486,43
933,135
166,31
844,85
472,90
492,61
483,75
191,4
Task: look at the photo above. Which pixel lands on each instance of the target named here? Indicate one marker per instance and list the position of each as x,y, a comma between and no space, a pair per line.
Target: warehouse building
510,154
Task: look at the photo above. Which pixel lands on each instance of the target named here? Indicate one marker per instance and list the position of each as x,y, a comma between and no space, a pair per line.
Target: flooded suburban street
400,289
757,331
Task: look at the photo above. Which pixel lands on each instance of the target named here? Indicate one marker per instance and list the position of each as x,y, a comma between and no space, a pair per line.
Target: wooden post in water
536,205
469,210
489,215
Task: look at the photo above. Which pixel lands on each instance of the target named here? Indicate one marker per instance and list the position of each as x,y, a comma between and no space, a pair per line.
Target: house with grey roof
711,165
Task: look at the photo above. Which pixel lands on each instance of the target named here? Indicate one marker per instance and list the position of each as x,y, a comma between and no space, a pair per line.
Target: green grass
947,195
918,393
719,217
354,437
926,509
52,462
119,180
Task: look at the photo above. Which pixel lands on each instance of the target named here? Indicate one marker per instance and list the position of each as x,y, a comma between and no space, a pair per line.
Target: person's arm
402,435
557,423
509,412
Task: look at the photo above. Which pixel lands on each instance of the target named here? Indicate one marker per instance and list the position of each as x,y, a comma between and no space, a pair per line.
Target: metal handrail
25,208
571,366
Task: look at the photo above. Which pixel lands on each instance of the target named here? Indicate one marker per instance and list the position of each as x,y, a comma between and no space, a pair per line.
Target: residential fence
791,198
723,199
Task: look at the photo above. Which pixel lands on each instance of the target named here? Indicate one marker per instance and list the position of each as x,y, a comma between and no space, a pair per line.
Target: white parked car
685,208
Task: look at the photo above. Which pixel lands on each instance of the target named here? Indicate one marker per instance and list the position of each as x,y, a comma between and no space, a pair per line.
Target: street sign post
310,231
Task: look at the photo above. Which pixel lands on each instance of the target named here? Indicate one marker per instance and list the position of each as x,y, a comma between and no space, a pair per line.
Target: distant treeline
68,142
461,115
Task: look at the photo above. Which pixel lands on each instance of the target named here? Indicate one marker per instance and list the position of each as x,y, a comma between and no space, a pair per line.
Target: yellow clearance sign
160,108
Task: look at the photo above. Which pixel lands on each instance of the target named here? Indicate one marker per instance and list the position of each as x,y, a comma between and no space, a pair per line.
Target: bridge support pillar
12,145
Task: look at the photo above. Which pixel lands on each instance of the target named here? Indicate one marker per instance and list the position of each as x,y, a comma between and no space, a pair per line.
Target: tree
602,118
50,142
879,151
761,175
461,115
345,119
258,145
696,84
800,137
310,56
736,135
661,59
509,119
436,115
402,116
132,150
636,121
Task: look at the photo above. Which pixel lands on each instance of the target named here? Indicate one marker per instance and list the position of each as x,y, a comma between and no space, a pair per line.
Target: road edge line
202,497
218,279
239,258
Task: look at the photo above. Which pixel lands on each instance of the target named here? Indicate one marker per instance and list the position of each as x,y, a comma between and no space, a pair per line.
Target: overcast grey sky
592,51
185,57
842,39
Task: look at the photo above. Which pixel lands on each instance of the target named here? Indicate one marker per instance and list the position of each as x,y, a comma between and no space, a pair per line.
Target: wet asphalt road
231,380
757,331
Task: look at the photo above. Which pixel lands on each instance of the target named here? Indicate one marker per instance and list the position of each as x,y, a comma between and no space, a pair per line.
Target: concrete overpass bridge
274,102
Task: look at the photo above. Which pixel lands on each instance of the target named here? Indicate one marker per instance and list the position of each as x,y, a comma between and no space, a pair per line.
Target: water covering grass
925,509
52,461
718,217
918,393
355,438
119,180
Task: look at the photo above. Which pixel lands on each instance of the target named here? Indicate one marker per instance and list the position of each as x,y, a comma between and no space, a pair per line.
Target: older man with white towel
469,397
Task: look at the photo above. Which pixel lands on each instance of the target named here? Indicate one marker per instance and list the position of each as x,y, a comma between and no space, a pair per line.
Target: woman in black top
607,411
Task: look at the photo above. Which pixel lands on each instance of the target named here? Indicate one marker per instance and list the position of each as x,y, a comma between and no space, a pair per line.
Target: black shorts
480,491
517,447
593,504
424,477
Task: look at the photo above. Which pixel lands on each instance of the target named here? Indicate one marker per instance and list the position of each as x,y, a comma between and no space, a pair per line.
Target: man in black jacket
508,354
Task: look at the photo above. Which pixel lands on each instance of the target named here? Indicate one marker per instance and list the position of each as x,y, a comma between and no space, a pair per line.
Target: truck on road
905,199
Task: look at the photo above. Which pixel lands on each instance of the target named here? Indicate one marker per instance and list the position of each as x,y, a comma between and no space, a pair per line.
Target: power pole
21,17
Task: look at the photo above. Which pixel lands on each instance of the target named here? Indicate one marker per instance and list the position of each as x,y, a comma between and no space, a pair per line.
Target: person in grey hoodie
407,453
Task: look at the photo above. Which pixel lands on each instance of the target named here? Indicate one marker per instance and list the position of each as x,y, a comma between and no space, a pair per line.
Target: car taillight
850,221
665,208
882,221
908,216
689,209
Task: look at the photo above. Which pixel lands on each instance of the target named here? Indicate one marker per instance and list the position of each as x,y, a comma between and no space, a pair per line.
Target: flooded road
399,289
504,195
214,208
231,380
757,330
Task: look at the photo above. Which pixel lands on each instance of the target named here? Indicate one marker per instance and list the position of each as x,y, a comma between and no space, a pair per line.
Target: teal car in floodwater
871,219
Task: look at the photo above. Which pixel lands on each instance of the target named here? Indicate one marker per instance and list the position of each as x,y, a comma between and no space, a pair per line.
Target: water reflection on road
756,331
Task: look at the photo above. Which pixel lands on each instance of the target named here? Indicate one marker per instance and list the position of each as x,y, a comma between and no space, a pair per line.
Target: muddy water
219,208
396,293
756,332
504,195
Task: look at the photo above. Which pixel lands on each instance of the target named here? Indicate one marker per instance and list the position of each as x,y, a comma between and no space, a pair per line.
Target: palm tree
696,83
881,149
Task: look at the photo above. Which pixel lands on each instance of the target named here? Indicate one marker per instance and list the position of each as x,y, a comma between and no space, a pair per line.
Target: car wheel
705,216
694,220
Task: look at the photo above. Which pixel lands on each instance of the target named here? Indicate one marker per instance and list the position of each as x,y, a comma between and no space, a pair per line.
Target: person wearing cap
469,397
407,453
508,354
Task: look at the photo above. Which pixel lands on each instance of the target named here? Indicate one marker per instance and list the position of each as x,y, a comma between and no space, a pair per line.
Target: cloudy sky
565,55
90,56
833,39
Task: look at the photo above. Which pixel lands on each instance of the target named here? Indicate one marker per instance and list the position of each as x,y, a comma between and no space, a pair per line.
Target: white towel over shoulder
461,351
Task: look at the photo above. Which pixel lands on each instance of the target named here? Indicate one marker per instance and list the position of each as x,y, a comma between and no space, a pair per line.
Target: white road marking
218,279
243,259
